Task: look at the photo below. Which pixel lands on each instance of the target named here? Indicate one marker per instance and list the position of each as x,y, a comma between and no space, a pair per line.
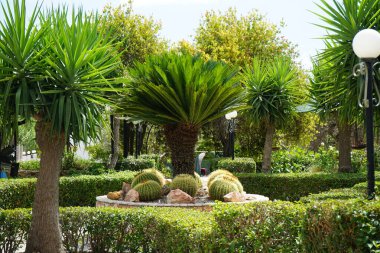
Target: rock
256,197
234,197
114,195
125,189
165,190
132,196
179,197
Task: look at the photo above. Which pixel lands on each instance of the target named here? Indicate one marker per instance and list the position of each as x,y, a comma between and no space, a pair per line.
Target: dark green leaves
172,88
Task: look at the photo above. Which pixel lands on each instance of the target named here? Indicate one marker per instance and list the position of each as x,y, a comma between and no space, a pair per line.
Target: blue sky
180,18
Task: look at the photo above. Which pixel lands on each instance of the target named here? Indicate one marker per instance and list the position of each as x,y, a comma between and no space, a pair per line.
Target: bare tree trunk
220,126
344,147
45,234
181,140
116,138
267,157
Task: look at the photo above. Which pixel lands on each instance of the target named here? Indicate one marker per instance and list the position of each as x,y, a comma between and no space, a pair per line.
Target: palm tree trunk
45,234
181,140
267,157
344,147
115,138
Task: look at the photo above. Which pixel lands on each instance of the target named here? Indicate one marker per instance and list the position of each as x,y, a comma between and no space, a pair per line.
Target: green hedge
329,226
73,191
293,186
133,164
238,165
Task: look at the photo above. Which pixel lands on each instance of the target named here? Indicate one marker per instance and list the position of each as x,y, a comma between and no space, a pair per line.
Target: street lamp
231,132
366,45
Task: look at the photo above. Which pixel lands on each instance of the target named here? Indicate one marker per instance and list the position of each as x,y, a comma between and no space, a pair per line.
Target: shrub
238,165
73,191
30,165
145,176
148,190
292,186
293,160
185,183
133,164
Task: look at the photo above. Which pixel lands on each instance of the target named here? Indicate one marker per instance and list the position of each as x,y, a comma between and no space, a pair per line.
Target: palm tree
181,92
342,20
55,73
273,93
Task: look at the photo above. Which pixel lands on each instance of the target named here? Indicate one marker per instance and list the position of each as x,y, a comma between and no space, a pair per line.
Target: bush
292,186
293,160
30,165
73,191
133,164
238,165
329,226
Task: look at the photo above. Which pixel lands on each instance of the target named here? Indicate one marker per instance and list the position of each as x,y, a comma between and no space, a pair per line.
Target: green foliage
138,164
145,176
73,191
216,173
148,190
238,165
273,91
180,88
186,183
293,160
239,39
292,186
220,187
30,165
259,227
137,35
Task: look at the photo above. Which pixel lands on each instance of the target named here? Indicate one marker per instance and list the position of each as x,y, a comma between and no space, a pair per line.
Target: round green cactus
145,176
229,178
198,180
220,187
148,190
185,183
158,173
216,173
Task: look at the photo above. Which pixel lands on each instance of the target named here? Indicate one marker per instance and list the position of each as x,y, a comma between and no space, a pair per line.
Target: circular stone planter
102,201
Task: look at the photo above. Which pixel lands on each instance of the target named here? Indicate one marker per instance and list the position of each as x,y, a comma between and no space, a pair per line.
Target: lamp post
231,132
366,45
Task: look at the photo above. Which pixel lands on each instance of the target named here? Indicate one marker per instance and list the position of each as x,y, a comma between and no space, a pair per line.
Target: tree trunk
220,127
267,157
181,140
344,147
115,138
45,234
126,133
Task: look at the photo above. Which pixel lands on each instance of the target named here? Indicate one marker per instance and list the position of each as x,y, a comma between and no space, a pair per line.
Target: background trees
56,73
273,94
335,89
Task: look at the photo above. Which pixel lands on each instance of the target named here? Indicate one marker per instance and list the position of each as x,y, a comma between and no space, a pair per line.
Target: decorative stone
234,197
177,197
165,190
114,195
132,196
256,197
125,189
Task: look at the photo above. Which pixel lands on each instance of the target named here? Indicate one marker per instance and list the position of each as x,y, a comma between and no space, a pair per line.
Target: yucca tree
55,73
342,20
274,91
181,92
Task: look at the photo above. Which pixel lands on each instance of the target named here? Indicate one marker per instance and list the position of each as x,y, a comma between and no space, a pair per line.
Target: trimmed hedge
73,191
138,164
238,165
330,226
293,186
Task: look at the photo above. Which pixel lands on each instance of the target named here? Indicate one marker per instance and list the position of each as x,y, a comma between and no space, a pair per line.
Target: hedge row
238,165
333,226
293,186
73,191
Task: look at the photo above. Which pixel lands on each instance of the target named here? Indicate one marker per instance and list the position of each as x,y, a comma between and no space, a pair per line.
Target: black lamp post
231,132
366,45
